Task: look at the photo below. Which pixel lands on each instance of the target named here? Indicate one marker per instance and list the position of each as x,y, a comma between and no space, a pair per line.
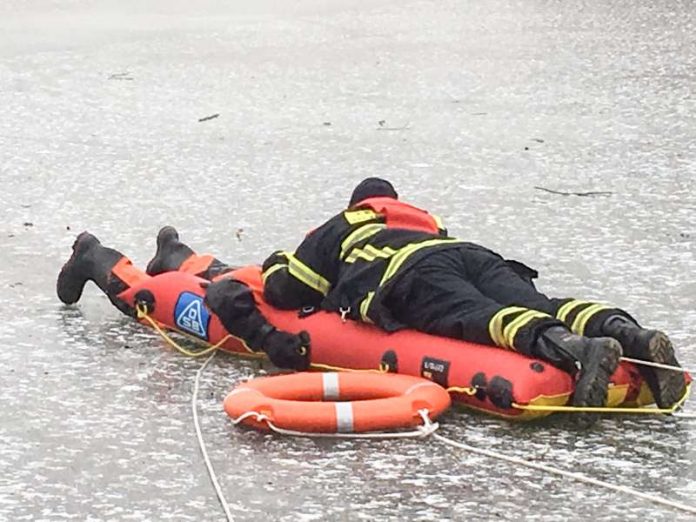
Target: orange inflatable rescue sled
489,379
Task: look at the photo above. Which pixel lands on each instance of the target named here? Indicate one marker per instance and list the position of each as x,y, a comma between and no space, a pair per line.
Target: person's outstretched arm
233,302
305,277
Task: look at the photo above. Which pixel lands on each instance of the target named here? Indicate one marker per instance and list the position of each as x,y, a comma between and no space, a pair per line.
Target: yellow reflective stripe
495,325
358,216
308,276
383,252
369,253
518,322
272,269
360,234
438,222
403,253
564,311
357,254
365,306
580,322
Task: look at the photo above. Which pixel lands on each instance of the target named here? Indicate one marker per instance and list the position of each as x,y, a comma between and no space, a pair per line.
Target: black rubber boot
171,252
667,386
90,261
591,361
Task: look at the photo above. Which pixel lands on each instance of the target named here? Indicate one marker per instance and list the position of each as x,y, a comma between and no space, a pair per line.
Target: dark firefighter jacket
349,264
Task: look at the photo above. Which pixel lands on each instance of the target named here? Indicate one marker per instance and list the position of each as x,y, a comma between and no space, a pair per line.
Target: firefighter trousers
473,294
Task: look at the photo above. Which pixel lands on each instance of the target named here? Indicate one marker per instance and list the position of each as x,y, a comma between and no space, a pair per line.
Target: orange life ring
336,402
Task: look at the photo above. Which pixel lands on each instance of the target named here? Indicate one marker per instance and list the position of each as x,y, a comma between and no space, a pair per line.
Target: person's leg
496,279
595,320
437,298
110,270
173,255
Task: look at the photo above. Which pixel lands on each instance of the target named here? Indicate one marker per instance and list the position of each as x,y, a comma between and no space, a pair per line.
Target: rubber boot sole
667,386
593,391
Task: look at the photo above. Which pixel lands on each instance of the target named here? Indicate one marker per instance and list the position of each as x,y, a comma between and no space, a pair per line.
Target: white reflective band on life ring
344,417
331,389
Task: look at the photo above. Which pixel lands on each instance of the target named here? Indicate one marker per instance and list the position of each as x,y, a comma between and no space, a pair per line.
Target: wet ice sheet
100,131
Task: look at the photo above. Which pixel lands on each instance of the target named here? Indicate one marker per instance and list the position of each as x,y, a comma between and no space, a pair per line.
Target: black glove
277,257
218,294
287,350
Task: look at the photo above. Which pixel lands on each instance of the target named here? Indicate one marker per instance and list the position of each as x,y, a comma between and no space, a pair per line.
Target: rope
643,362
141,311
459,389
683,415
429,428
596,409
426,429
567,474
609,409
201,444
318,366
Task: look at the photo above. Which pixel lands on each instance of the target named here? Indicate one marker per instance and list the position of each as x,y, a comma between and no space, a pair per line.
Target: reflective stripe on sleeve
271,269
308,276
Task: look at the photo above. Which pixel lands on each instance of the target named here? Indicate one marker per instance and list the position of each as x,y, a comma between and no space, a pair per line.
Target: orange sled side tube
176,301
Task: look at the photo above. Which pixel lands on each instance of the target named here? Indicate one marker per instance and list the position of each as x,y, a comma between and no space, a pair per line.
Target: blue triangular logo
191,316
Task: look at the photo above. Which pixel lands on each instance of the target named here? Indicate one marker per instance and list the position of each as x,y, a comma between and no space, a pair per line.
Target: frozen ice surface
466,106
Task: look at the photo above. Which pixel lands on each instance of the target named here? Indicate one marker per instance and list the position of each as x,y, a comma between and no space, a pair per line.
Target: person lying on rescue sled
231,300
386,262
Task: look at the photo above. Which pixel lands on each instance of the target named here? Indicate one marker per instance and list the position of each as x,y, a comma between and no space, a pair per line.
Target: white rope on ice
201,444
683,415
643,362
568,474
428,427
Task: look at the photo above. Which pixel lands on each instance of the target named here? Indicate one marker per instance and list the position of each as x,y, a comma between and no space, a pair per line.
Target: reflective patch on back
191,315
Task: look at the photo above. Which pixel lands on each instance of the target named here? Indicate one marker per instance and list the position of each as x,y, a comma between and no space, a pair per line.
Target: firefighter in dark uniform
231,300
385,262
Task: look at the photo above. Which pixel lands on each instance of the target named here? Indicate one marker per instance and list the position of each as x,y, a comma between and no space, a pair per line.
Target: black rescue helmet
372,188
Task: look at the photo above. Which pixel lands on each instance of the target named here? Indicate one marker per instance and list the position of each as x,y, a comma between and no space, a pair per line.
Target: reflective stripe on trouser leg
330,386
508,322
578,315
495,325
344,417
